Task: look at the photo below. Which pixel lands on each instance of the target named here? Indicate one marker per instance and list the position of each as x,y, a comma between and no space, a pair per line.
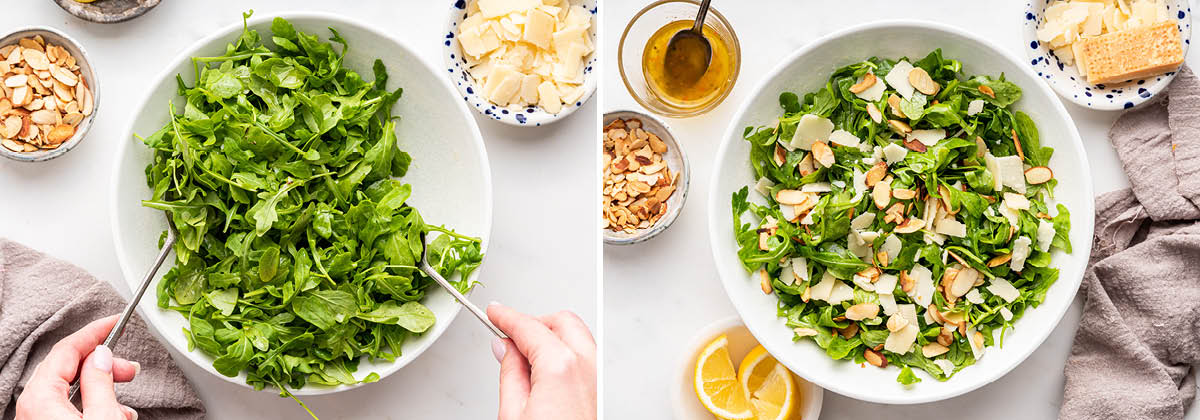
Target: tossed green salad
905,216
297,253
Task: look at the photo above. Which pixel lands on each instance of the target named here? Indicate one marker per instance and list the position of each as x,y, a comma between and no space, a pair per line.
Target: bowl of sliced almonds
645,177
48,94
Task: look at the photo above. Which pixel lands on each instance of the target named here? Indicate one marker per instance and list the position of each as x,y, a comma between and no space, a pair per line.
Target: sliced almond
903,194
16,81
932,350
36,59
874,113
60,133
882,258
44,117
981,148
987,91
792,197
822,154
915,145
805,166
874,358
1017,143
804,332
906,283
946,337
894,106
763,238
911,225
963,282
764,281
999,259
877,172
896,323
882,194
849,332
867,81
12,145
1038,175
900,127
920,80
657,145
63,76
780,155
21,96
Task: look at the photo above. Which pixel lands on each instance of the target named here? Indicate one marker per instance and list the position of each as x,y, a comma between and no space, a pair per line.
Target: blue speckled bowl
1110,96
529,117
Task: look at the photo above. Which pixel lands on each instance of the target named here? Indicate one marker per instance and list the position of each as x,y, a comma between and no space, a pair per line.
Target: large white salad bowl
450,175
807,70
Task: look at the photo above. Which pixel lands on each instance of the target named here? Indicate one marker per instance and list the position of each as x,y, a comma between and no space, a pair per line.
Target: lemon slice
773,393
717,384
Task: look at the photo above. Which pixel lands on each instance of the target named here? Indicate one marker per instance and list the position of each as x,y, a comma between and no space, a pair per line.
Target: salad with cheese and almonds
903,214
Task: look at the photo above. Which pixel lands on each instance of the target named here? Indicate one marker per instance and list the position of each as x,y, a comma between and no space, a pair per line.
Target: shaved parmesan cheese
824,288
1012,173
800,268
786,276
1016,201
817,187
494,8
891,246
789,212
549,99
888,303
840,293
811,128
808,219
868,236
900,342
1020,253
927,137
975,107
860,185
994,168
934,238
1045,235
873,93
1004,289
763,186
1010,214
1006,314
894,153
951,227
923,290
974,297
946,365
886,284
898,79
976,342
843,138
909,312
863,283
857,246
863,221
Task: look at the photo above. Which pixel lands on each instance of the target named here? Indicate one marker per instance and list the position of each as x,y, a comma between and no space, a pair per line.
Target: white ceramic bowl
437,130
807,70
57,37
676,160
1066,79
529,117
687,406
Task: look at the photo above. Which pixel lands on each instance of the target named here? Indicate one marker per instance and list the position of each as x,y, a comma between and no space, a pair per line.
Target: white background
544,250
661,292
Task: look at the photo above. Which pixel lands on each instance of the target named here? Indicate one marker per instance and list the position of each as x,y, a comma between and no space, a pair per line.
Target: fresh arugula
298,253
951,177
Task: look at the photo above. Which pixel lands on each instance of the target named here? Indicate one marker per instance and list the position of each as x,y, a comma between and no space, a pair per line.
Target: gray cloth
43,300
1140,333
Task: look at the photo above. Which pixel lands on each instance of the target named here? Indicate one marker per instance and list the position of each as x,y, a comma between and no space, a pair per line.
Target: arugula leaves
298,253
950,178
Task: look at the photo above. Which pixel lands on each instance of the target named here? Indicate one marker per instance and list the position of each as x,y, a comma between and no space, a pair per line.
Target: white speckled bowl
57,37
1066,80
528,117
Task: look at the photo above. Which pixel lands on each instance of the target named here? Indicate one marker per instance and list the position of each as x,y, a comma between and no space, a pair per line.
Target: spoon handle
699,25
462,299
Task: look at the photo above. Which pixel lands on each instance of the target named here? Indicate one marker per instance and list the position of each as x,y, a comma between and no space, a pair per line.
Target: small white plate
683,396
450,175
454,62
1066,80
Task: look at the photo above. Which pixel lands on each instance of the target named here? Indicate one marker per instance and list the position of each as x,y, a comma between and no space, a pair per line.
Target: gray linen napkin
43,300
1140,333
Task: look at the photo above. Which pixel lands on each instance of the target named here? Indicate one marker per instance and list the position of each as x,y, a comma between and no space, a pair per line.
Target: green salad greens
906,214
297,252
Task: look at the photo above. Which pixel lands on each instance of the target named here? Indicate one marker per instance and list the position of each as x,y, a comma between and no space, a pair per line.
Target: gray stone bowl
107,11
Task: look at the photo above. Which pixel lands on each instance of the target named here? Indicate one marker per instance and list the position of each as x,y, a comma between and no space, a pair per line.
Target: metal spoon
119,328
429,271
690,67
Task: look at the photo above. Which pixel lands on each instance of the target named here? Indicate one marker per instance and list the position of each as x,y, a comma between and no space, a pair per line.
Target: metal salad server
119,328
689,51
429,271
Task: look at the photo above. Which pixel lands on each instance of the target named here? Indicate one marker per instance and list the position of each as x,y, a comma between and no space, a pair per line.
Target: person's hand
547,368
45,395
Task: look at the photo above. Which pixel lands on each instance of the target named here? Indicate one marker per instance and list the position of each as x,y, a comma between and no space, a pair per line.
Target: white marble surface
544,252
657,294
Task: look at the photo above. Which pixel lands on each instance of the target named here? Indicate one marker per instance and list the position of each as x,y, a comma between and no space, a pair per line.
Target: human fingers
61,364
125,370
514,379
96,387
573,331
42,403
533,338
130,413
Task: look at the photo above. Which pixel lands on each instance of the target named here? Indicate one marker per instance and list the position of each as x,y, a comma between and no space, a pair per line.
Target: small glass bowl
633,41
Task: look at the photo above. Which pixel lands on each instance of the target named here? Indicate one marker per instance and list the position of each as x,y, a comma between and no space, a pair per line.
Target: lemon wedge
773,393
717,384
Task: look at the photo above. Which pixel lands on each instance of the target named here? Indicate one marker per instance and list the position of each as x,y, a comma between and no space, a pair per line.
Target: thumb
96,386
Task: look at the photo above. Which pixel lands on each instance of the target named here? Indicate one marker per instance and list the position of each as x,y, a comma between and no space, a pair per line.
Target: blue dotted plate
1110,96
534,116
